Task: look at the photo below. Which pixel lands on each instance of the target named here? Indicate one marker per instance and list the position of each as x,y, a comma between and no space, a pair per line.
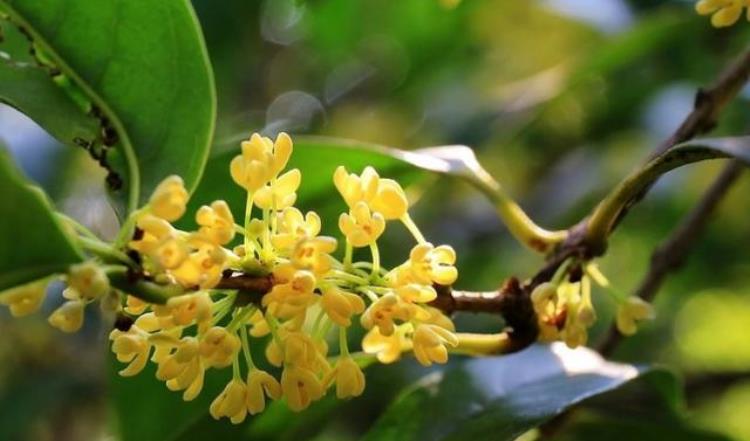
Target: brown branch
671,254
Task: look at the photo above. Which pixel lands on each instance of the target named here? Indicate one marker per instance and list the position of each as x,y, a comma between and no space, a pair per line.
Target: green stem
248,214
77,225
349,251
518,222
343,342
246,349
105,251
375,258
121,278
412,227
606,214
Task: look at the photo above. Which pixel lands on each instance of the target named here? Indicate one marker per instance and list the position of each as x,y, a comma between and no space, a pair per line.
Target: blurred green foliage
557,108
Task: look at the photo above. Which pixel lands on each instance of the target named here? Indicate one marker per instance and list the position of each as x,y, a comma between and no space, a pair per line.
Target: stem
412,227
248,213
236,375
348,255
105,251
343,342
375,259
121,278
607,213
126,230
481,344
246,349
518,222
77,225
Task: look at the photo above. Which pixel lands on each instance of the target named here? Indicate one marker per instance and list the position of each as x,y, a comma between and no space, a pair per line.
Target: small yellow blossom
416,293
383,312
294,227
429,264
231,402
348,377
631,311
384,196
314,254
135,306
261,384
280,193
300,386
202,268
219,347
387,348
341,305
291,297
216,222
68,317
723,12
430,343
169,199
25,299
390,200
187,309
88,280
355,188
131,347
261,160
183,369
360,226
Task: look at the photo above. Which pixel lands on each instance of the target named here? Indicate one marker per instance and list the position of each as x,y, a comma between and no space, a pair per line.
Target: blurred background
558,98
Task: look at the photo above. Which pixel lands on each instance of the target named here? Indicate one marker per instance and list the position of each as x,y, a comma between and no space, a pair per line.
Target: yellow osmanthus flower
631,311
384,312
280,193
361,226
293,227
300,387
384,196
169,199
216,222
387,348
348,378
431,342
429,264
88,280
68,317
231,403
25,299
261,161
341,305
292,297
218,347
261,384
723,12
314,254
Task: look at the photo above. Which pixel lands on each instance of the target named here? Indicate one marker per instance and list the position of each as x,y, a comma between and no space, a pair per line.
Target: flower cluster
723,12
565,311
311,294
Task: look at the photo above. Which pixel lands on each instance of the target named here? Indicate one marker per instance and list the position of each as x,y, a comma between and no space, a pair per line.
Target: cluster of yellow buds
723,12
312,293
565,311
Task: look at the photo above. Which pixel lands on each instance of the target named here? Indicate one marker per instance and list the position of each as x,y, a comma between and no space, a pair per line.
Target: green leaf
500,398
30,90
34,244
144,66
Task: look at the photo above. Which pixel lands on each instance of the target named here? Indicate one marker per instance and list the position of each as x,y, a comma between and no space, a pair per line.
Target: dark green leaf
30,90
500,398
33,244
143,65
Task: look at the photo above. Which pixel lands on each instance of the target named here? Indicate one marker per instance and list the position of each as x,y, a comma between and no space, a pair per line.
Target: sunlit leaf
500,398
